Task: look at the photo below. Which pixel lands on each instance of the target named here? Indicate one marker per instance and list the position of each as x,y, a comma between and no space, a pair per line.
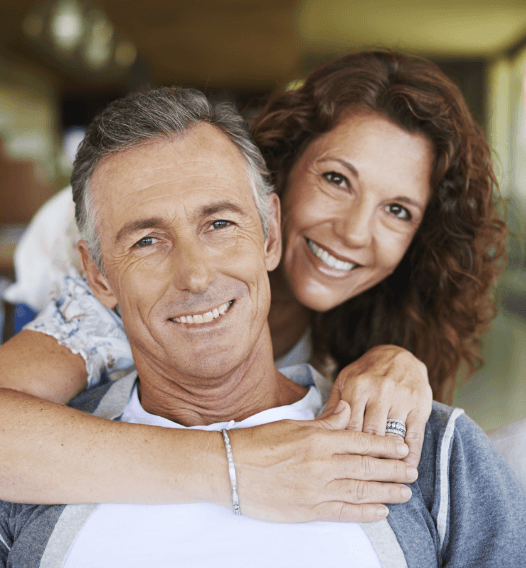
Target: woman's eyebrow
409,201
354,171
347,165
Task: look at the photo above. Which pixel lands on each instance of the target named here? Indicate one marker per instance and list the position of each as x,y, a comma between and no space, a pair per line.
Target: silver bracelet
231,473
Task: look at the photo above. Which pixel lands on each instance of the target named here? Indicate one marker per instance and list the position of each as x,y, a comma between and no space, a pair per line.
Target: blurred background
62,61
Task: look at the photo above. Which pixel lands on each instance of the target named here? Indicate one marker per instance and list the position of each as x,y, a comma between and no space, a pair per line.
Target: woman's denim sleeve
77,320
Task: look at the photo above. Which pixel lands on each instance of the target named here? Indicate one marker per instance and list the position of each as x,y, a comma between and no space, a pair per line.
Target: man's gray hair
159,114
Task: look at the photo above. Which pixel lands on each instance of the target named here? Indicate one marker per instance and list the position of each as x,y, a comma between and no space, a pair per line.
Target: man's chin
208,363
208,372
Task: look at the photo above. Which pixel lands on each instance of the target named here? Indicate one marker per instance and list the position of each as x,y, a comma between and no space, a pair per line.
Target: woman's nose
355,223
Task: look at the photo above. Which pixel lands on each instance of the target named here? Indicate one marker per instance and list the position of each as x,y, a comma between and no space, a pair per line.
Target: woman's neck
288,319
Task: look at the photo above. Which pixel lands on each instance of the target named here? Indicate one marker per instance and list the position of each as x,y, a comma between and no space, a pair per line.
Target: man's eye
220,224
145,242
336,179
399,211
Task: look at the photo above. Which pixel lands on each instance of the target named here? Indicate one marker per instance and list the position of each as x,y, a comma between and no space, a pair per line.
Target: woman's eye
336,179
399,211
220,224
145,242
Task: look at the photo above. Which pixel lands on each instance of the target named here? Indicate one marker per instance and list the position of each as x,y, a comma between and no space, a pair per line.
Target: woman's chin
316,299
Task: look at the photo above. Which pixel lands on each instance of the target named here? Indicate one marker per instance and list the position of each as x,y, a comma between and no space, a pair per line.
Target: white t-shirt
206,535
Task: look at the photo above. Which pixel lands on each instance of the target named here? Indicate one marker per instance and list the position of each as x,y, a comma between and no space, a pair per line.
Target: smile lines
204,318
328,259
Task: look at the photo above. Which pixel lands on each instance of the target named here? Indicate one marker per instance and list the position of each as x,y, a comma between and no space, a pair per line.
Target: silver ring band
395,426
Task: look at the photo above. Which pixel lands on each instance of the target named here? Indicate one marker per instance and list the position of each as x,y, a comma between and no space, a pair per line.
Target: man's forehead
195,170
193,146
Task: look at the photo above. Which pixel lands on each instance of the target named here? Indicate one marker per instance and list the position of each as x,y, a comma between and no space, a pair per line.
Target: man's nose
354,224
192,266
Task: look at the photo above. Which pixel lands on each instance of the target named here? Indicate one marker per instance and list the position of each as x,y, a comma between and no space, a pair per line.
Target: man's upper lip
332,252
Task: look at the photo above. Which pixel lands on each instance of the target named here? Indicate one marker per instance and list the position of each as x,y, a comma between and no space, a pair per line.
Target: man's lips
327,258
204,317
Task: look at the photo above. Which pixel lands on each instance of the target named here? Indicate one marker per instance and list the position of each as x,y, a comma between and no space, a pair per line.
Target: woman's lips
327,258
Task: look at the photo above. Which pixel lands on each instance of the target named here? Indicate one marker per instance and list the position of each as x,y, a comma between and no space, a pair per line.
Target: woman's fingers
414,438
338,511
375,416
363,492
356,422
288,471
338,419
334,399
375,421
365,468
357,505
357,443
387,382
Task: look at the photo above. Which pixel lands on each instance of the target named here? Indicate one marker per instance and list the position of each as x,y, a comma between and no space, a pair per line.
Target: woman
437,302
391,236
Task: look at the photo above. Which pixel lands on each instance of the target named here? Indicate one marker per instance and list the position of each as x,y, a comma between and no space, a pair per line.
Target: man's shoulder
307,376
453,437
443,417
107,399
448,424
25,531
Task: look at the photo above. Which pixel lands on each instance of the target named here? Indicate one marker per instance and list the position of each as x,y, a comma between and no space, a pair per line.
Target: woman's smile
328,259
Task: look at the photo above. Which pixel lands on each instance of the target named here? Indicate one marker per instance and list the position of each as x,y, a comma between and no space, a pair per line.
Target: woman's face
353,202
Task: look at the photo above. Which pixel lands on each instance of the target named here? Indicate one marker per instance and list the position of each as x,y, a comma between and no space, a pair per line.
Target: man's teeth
203,318
328,259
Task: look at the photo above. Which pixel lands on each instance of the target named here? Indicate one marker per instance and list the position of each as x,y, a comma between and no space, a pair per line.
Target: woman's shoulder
78,321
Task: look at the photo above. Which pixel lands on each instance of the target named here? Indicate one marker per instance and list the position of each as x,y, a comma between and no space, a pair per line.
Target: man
179,233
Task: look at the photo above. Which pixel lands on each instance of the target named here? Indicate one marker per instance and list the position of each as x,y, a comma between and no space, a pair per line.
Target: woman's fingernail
382,511
402,449
340,406
412,473
406,492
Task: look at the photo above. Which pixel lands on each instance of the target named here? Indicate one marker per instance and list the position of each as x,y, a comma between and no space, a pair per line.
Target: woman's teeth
328,259
204,318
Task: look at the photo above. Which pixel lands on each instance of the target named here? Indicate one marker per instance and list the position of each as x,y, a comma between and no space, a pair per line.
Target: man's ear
99,284
273,240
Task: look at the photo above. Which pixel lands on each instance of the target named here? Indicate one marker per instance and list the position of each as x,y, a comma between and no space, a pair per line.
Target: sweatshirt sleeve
5,533
481,519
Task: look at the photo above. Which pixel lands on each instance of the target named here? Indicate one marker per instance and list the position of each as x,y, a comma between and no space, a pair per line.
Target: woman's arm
50,453
35,363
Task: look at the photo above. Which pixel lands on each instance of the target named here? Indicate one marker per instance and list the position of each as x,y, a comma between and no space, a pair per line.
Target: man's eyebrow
138,225
347,165
205,211
220,206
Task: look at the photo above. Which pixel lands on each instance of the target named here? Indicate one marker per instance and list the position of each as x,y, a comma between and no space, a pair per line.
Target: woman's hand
386,382
316,470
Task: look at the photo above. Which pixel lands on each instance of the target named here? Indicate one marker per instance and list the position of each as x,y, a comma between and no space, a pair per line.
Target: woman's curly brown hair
438,301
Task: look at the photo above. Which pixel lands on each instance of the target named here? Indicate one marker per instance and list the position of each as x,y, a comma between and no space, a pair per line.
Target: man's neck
255,385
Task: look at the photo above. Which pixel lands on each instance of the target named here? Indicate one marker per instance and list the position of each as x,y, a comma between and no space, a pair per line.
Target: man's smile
206,317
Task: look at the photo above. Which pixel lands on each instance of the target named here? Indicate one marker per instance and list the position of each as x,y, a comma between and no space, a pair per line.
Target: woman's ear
273,240
99,284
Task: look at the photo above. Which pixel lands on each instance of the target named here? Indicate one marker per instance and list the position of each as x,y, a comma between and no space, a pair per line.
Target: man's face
184,252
